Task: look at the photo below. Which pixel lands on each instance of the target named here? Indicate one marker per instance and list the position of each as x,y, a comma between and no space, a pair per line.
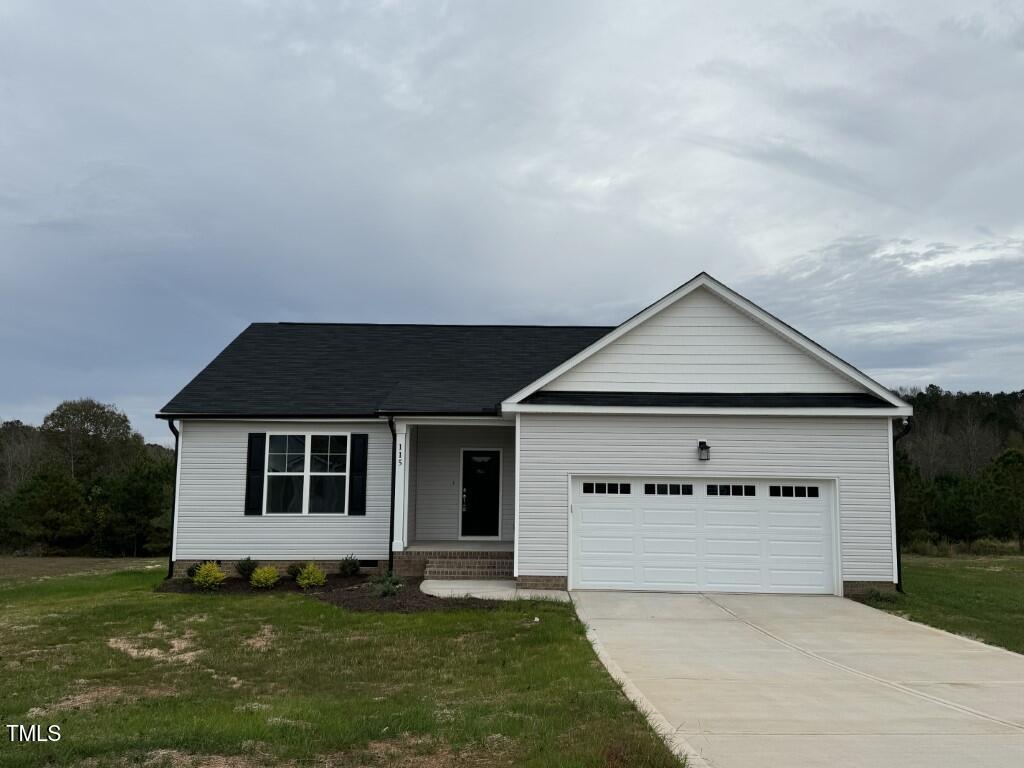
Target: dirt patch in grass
172,758
180,648
419,752
261,640
87,698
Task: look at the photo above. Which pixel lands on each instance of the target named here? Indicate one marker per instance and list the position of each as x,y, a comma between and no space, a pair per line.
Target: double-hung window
307,474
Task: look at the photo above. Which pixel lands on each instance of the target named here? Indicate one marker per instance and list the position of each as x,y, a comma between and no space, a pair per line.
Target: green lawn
978,597
22,568
138,677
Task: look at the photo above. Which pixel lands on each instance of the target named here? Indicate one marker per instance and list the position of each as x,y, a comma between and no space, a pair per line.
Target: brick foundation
853,588
228,566
542,582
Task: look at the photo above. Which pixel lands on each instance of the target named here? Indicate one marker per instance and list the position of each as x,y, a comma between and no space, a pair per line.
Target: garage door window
607,488
668,489
794,491
731,490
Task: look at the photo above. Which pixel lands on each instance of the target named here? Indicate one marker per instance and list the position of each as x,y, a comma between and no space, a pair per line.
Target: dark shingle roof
334,370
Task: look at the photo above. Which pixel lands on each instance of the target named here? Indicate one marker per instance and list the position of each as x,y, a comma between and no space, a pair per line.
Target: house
701,445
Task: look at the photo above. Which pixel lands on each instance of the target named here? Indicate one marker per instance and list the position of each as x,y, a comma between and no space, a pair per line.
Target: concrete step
485,567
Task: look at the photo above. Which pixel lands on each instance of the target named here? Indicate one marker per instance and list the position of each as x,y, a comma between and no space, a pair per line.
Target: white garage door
681,534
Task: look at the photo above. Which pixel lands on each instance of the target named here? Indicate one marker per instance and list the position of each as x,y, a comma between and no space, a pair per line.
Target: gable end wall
701,344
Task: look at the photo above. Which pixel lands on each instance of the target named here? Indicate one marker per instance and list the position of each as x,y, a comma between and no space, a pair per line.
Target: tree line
85,483
959,471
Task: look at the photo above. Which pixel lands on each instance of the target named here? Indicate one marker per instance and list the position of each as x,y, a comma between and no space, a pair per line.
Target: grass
138,677
21,568
978,597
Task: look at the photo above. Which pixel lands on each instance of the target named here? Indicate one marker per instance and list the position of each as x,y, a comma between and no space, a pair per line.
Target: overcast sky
170,172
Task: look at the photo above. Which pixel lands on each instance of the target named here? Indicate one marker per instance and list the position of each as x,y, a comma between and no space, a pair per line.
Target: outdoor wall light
703,451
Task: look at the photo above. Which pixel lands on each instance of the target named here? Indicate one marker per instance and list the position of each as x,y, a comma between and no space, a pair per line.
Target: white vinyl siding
853,451
701,344
210,519
437,462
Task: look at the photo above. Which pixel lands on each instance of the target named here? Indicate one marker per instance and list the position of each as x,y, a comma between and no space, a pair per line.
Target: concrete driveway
755,681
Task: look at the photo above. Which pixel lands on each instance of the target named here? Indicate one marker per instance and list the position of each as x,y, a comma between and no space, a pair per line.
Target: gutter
391,517
174,498
907,427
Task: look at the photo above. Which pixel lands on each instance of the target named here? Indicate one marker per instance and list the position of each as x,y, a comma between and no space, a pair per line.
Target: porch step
485,565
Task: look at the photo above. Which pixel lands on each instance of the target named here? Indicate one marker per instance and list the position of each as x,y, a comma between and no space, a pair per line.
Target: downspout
907,426
174,498
391,522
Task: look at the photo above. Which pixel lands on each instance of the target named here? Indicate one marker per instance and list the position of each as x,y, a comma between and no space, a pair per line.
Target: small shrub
294,569
386,585
349,566
191,572
264,577
246,567
209,576
990,546
311,576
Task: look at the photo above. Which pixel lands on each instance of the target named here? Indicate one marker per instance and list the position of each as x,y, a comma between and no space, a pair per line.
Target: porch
454,498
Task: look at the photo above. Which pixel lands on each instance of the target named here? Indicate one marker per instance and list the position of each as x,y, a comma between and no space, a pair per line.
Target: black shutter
357,475
254,473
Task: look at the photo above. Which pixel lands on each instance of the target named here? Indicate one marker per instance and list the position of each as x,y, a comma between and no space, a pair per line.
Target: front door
481,494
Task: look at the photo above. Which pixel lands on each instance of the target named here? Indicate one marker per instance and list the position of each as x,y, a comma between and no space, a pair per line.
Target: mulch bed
354,593
361,597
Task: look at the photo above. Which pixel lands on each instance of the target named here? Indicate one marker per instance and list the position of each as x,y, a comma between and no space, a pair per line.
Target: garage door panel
733,518
732,578
668,546
678,517
607,544
675,578
733,546
702,542
812,519
607,516
803,579
811,547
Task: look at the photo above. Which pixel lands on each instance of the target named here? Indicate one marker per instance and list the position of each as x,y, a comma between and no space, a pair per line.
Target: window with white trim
306,474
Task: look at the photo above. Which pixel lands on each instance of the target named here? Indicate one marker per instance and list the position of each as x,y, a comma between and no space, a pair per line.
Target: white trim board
738,302
905,410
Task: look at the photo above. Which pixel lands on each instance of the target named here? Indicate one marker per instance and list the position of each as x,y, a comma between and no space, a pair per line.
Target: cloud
910,313
171,172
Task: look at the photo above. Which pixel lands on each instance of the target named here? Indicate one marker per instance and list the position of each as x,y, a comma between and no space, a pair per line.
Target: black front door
481,492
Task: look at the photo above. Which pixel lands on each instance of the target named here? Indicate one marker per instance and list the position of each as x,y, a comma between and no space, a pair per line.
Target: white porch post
401,488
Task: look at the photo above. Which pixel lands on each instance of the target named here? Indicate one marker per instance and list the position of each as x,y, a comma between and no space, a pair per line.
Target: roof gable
701,343
704,337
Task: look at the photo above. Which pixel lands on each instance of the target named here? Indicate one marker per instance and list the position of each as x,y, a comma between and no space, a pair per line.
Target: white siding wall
437,460
210,519
853,450
701,344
